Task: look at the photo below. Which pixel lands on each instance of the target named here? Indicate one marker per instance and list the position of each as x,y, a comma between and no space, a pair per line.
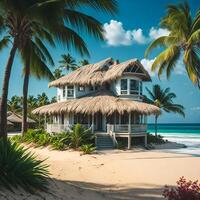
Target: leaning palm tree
183,42
34,56
17,18
163,99
68,62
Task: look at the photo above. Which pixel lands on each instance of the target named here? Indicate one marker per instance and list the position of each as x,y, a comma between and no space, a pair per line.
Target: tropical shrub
185,190
18,167
80,135
60,141
152,139
121,145
17,138
88,148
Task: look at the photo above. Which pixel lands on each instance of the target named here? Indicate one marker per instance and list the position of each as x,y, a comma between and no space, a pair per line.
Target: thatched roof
16,118
103,102
104,71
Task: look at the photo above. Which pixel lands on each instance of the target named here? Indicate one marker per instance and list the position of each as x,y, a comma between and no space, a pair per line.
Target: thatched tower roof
103,102
104,71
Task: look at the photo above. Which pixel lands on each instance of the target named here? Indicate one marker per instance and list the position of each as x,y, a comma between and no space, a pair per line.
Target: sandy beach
135,174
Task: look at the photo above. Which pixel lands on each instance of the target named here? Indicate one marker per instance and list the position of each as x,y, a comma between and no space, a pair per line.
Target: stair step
104,142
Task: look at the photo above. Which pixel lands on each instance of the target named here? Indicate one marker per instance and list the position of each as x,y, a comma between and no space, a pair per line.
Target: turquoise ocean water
188,134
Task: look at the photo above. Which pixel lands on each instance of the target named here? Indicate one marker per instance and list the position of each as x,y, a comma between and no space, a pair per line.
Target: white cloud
147,65
179,69
156,33
197,108
138,36
116,35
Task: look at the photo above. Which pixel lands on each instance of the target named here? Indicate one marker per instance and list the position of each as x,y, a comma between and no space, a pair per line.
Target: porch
113,131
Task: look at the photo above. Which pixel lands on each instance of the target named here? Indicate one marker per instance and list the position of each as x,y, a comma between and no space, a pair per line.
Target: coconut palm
35,56
42,99
84,62
57,73
183,42
163,99
18,17
67,62
14,104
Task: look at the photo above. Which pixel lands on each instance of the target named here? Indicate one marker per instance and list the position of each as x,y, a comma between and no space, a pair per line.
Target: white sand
115,174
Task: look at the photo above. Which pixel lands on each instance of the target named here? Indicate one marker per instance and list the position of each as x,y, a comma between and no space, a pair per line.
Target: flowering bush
185,190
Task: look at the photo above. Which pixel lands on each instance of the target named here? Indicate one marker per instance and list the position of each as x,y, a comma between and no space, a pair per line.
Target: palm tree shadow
76,190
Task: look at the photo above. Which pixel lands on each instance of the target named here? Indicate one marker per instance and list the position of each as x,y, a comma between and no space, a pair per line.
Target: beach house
107,97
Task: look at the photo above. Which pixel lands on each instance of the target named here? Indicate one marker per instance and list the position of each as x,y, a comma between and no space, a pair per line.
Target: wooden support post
145,140
129,141
45,121
129,131
92,123
115,122
88,121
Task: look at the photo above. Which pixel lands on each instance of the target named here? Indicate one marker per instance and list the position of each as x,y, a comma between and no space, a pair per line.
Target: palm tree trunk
25,95
3,103
156,125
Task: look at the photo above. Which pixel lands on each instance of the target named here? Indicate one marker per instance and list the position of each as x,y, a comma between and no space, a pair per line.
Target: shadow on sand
73,190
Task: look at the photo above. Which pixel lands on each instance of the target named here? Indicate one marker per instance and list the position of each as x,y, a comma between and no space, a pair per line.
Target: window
70,91
64,91
134,86
140,87
81,88
124,86
91,88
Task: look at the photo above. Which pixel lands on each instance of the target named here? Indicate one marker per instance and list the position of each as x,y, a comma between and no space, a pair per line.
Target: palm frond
84,22
44,50
163,60
70,38
176,108
4,42
196,22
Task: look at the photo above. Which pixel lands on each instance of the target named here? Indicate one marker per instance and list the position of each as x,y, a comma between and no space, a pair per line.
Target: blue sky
128,35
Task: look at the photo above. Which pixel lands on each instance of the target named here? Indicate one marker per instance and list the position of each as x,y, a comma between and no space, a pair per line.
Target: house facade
106,96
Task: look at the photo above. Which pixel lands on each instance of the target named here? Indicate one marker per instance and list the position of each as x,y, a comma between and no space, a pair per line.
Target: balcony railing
126,128
57,128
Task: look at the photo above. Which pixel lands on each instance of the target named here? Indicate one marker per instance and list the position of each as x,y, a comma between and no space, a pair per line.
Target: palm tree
14,104
84,62
17,20
163,99
42,99
183,42
67,62
57,73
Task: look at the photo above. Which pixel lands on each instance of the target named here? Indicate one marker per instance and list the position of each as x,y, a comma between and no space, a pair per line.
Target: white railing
126,128
57,128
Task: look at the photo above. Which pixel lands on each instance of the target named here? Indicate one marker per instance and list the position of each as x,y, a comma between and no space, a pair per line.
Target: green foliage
58,141
121,145
155,139
182,42
21,168
80,136
88,148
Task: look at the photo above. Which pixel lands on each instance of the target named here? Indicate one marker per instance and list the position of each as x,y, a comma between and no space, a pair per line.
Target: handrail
112,134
